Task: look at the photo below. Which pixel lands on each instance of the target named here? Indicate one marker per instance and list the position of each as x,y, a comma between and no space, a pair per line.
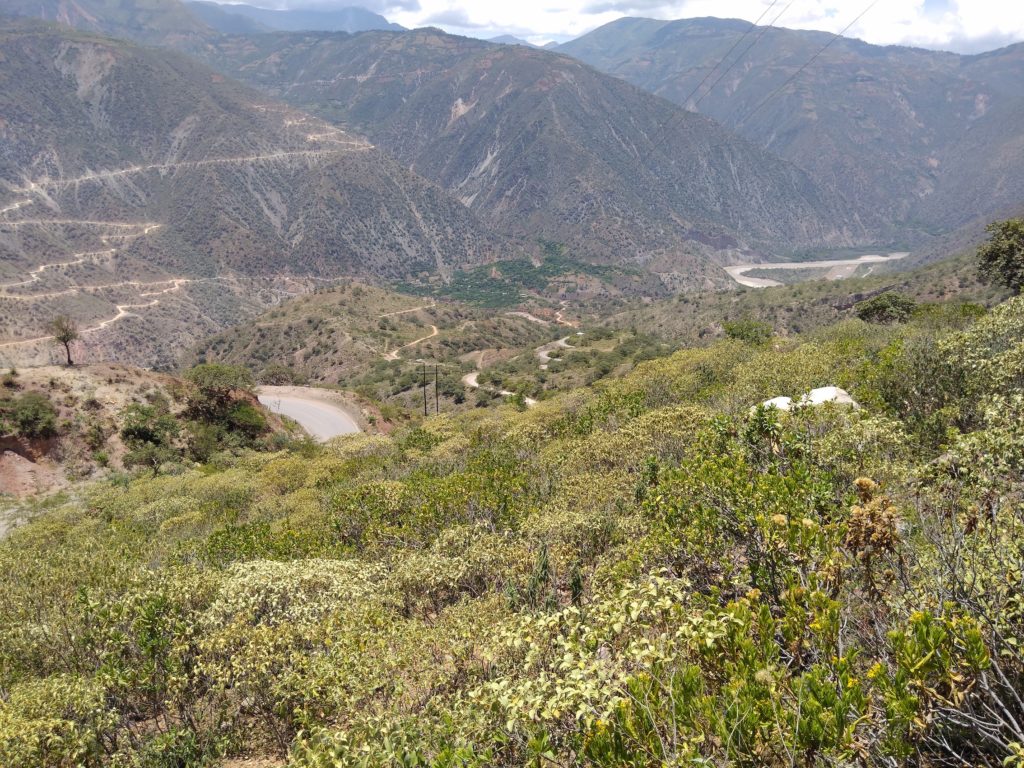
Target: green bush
750,331
650,571
30,415
888,307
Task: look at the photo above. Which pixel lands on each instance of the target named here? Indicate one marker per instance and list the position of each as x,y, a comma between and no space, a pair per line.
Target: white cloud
962,25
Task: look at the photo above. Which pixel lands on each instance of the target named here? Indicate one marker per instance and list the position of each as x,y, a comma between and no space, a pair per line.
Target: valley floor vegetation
648,572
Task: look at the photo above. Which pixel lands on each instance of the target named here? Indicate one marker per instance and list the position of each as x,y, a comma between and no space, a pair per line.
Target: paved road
319,417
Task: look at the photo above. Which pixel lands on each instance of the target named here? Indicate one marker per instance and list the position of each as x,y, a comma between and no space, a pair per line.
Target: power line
656,141
810,61
739,58
721,61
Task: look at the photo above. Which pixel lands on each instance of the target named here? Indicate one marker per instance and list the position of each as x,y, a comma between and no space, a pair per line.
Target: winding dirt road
35,187
560,316
544,352
15,206
394,354
431,305
33,276
472,381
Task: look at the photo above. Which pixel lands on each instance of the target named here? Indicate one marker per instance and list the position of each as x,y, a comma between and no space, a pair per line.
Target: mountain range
403,156
932,138
539,145
123,163
152,22
239,18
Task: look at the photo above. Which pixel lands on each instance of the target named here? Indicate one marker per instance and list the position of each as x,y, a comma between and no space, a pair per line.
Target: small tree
212,386
149,434
887,307
749,331
1001,257
64,331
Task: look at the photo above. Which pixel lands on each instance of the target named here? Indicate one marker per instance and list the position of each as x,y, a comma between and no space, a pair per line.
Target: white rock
782,403
824,395
815,397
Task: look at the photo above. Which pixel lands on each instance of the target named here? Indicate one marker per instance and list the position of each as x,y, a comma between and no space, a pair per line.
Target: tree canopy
888,307
64,331
1001,257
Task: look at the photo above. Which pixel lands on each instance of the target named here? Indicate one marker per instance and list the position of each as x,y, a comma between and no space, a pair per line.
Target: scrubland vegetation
646,572
803,307
504,284
94,420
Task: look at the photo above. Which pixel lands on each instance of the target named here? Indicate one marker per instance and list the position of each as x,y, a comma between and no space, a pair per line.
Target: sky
965,26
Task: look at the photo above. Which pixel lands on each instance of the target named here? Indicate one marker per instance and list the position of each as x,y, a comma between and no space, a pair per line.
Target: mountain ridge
155,22
573,154
347,19
893,126
134,177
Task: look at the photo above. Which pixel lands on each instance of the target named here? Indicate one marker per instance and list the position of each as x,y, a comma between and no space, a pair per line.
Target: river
839,269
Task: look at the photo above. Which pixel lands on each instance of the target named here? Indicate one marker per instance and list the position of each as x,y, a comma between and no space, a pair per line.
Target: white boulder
815,397
824,395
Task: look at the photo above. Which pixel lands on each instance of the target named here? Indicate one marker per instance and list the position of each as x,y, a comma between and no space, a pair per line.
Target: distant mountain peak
512,40
928,140
303,19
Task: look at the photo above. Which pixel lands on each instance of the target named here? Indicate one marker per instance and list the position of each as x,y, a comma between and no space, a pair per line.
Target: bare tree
64,331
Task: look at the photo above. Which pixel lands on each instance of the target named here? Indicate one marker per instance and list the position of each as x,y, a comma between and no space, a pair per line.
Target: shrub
149,433
55,721
31,415
1001,258
212,387
991,352
749,331
887,307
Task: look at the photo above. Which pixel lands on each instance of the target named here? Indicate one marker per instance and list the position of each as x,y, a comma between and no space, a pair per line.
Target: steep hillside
932,138
131,177
373,340
224,18
646,573
148,21
540,145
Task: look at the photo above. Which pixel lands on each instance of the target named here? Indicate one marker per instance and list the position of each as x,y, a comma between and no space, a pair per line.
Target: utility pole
437,397
424,378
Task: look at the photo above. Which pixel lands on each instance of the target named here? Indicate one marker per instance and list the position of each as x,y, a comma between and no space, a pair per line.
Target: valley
541,146
377,397
831,269
127,230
